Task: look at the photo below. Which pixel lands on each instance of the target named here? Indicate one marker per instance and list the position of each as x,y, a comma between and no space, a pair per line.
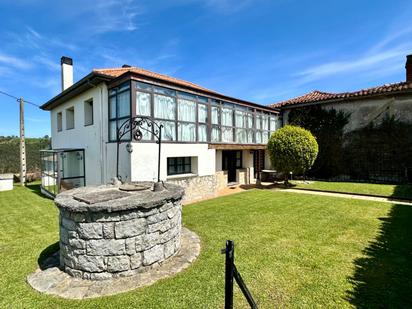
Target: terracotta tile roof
116,72
319,96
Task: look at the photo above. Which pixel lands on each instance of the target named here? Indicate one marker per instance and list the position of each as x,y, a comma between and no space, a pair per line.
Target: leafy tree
327,125
292,149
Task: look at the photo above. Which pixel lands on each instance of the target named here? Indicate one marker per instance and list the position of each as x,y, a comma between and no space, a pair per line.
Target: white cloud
14,62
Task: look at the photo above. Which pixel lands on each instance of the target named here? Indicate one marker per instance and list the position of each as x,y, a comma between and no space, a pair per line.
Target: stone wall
103,245
197,187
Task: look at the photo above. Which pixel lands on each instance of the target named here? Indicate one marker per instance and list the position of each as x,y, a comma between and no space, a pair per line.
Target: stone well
108,233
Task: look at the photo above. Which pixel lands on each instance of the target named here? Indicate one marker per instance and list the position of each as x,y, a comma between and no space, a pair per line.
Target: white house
209,140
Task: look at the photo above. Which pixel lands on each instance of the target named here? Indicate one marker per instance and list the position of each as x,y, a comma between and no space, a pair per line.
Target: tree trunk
286,180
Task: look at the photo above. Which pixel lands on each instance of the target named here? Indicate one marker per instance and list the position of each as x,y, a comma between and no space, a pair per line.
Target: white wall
144,159
91,138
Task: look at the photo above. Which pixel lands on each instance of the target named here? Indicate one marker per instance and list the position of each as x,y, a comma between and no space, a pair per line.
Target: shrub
292,149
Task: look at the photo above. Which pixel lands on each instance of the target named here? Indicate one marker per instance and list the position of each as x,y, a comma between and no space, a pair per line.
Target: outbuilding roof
320,96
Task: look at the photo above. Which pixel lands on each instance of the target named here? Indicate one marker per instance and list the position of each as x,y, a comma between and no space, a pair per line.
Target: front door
229,160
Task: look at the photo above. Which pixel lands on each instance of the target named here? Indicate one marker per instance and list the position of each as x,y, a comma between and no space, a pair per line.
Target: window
187,120
88,112
70,118
119,110
202,119
59,121
179,165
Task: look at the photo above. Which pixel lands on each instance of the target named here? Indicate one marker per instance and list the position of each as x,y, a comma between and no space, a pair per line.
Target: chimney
408,67
67,72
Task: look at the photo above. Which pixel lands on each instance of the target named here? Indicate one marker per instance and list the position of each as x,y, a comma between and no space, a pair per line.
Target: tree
292,149
327,125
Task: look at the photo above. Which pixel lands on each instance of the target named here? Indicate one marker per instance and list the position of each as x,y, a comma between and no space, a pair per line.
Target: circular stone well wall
107,233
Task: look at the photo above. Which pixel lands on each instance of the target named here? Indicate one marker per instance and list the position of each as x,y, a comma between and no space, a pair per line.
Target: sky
260,51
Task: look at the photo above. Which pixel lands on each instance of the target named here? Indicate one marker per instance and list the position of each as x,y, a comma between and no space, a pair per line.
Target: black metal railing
232,273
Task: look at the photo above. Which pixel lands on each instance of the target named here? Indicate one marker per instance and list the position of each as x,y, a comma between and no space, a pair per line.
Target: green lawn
292,250
395,191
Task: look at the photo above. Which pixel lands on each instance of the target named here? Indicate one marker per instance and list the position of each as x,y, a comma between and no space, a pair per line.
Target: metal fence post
229,270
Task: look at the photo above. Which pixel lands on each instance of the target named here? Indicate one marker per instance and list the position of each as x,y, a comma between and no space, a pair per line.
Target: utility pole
22,145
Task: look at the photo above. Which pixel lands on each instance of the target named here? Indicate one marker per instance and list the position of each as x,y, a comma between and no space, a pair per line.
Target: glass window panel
112,107
241,136
112,92
250,121
202,112
187,96
187,132
202,99
143,106
258,122
121,122
146,131
240,119
164,107
215,134
227,117
227,134
168,130
272,123
143,86
215,115
265,122
187,110
123,87
123,104
258,137
202,133
164,91
265,137
112,130
250,136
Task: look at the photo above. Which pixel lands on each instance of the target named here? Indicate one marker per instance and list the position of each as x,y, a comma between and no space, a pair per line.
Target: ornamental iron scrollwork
136,126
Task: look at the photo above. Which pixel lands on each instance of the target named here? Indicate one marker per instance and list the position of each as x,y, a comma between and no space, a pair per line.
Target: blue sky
262,51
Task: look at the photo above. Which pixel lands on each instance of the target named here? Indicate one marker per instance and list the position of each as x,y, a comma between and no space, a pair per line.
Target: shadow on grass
35,188
403,191
383,277
49,257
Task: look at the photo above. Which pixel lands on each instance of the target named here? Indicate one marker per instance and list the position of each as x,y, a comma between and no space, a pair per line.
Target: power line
18,99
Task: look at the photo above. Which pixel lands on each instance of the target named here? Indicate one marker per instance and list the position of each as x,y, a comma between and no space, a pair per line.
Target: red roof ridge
115,72
318,96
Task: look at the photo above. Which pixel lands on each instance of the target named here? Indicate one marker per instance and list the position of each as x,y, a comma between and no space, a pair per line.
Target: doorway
231,160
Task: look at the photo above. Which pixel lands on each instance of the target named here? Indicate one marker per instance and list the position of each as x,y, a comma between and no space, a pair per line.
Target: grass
395,191
292,250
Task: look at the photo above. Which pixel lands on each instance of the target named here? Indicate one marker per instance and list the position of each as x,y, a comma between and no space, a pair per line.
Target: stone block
157,218
160,226
118,263
68,224
130,245
106,247
166,206
166,236
150,240
100,276
153,255
139,242
169,248
135,260
105,217
64,236
73,235
108,230
172,212
91,263
90,230
77,243
73,272
130,228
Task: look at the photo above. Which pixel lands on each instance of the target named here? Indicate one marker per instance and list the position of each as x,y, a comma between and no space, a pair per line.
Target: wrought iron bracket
136,126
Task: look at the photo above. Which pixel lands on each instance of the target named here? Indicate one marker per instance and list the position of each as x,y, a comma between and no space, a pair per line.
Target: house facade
209,140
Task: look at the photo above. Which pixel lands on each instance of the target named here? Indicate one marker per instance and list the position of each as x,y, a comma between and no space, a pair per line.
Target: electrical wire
18,99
